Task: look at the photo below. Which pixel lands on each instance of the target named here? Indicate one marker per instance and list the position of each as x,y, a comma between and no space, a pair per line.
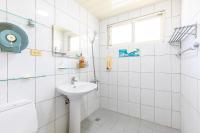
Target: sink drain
97,119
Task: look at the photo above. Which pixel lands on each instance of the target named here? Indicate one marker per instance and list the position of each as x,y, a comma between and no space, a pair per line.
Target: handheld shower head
94,37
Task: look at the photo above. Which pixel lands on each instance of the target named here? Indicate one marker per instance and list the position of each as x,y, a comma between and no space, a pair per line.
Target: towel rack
181,33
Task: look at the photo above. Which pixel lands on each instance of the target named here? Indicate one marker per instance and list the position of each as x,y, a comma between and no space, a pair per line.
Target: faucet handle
74,78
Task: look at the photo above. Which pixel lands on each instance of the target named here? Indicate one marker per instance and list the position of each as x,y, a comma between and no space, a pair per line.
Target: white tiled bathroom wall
147,87
51,108
190,72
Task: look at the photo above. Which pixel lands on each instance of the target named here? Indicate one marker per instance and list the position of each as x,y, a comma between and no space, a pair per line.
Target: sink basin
74,93
76,90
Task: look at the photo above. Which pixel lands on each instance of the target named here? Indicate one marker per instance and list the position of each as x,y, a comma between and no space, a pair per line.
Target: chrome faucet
73,80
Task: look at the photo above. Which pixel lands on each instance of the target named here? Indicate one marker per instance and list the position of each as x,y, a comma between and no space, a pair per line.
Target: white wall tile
21,89
62,4
113,91
123,93
123,64
45,112
45,60
25,8
123,107
61,124
147,48
45,88
176,7
93,102
163,82
61,107
104,77
44,13
147,80
50,2
104,102
112,104
74,10
3,14
176,83
83,15
176,120
163,64
123,78
175,64
134,64
47,129
147,64
3,4
62,19
61,79
162,49
3,66
83,76
189,90
163,100
3,92
104,90
134,94
147,113
16,63
147,97
134,79
43,42
163,119
113,78
176,102
134,110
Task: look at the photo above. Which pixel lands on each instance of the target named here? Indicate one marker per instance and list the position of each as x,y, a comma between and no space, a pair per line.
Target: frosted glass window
121,34
148,29
74,43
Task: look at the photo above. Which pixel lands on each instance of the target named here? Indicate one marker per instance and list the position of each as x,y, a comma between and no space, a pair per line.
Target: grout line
140,90
154,86
35,58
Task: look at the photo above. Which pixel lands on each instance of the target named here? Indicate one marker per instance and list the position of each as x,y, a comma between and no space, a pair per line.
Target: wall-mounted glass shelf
28,21
23,78
64,68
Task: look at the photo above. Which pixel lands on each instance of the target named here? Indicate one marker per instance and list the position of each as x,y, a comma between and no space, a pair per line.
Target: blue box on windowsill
125,53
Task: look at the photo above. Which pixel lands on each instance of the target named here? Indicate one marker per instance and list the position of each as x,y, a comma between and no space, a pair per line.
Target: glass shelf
28,21
20,78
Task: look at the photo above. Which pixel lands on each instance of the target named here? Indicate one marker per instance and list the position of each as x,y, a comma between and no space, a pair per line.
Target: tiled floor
104,121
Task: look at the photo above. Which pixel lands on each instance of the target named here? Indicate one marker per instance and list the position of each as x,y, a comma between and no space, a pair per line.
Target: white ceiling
107,8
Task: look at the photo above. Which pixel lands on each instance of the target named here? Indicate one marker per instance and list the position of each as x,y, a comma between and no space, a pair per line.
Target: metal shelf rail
181,33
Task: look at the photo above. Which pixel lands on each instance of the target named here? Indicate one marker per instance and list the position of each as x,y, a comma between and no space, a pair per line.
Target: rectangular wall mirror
65,43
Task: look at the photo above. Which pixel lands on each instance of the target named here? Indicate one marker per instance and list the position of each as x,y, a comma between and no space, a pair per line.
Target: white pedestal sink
74,93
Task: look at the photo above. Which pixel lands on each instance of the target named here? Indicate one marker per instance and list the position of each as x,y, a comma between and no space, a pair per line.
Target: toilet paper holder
12,38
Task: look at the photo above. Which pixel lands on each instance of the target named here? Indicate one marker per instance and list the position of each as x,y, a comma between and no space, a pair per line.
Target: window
121,34
137,31
148,30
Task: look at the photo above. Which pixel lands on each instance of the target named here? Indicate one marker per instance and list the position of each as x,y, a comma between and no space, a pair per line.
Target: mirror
65,43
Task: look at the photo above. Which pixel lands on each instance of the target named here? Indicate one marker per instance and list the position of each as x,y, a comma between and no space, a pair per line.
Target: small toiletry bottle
82,62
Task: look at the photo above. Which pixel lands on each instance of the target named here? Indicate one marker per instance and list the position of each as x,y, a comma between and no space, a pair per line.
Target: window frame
115,25
133,21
